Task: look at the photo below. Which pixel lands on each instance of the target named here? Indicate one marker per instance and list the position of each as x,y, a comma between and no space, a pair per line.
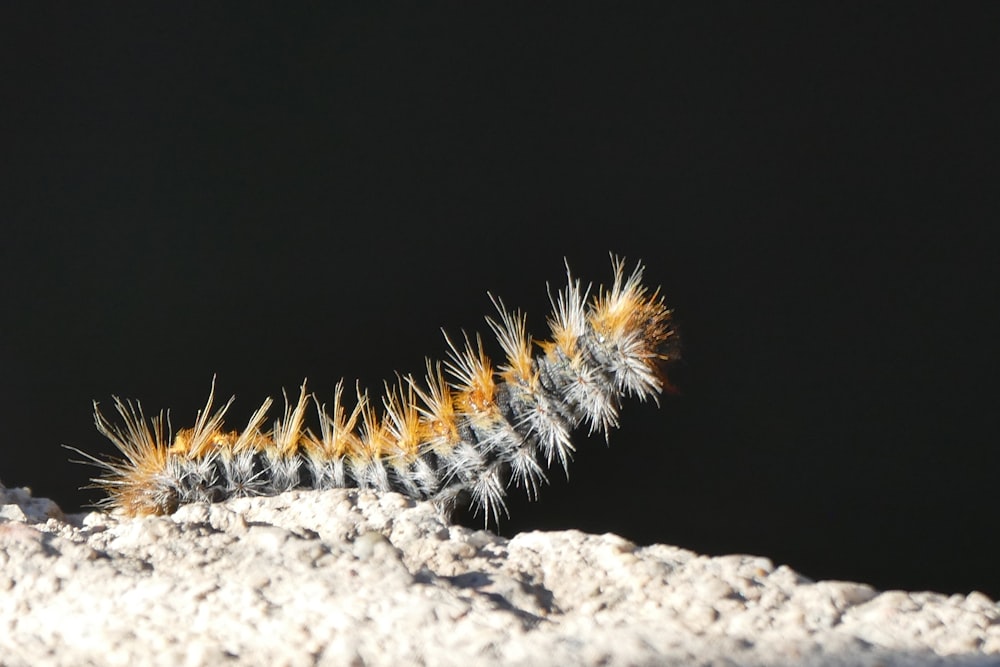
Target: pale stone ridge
348,577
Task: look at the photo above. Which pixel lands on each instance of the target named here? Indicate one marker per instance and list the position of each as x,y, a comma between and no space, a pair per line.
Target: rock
351,577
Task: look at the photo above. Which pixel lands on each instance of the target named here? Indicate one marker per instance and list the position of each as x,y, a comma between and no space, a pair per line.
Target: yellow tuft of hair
568,320
338,436
287,434
627,311
402,422
251,438
132,483
476,386
511,332
375,439
200,440
438,419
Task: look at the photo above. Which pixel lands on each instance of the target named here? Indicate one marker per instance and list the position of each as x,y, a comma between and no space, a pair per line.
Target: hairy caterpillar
474,433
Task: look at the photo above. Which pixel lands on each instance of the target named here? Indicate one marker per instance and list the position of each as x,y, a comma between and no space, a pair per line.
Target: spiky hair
472,434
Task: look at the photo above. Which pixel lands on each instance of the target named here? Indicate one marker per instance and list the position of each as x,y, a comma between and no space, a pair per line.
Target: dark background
271,195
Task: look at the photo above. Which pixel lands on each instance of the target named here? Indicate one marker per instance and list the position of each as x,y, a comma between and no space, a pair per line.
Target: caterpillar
469,429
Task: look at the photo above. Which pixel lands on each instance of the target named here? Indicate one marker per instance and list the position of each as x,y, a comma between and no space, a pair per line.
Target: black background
313,192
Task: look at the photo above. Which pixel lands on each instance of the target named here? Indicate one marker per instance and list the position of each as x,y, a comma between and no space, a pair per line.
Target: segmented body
475,432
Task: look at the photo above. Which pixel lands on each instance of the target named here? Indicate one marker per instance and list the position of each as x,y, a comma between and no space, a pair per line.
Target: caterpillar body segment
470,427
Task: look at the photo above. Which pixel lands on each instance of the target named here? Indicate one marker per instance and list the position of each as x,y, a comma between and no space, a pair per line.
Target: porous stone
351,577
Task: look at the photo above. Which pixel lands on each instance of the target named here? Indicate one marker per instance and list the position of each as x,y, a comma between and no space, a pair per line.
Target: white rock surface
356,578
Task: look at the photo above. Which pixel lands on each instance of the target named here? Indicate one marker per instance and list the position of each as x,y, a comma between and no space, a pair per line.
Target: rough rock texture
356,578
